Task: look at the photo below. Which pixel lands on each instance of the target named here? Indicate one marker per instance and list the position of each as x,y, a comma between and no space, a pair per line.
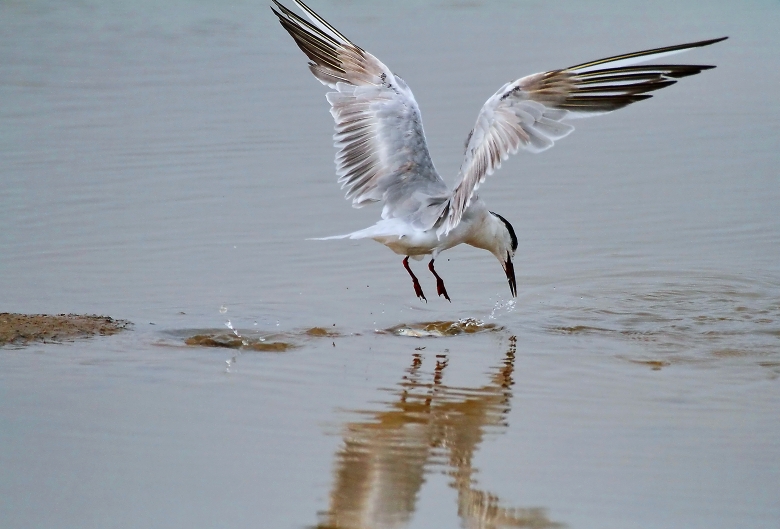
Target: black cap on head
509,228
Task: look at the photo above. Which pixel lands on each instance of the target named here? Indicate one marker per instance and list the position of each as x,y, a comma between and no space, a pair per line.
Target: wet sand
22,329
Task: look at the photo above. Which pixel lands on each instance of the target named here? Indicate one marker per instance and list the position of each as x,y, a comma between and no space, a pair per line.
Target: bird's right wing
383,155
528,113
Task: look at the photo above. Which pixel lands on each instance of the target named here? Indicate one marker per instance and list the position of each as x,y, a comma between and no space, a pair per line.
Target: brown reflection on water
428,426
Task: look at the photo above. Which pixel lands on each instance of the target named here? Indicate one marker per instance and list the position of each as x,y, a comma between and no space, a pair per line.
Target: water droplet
230,326
222,309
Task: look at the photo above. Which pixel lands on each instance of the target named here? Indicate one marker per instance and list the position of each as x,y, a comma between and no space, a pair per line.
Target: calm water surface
165,162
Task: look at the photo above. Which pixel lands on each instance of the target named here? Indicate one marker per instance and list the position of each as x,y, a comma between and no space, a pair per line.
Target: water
164,163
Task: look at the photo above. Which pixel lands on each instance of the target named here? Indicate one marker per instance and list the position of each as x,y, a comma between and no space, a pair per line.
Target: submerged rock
321,332
231,341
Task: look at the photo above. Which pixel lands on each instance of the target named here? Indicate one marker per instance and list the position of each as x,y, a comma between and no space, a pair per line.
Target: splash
438,329
232,361
502,307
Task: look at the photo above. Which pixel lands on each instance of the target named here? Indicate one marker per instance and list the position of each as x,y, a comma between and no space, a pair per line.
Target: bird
383,154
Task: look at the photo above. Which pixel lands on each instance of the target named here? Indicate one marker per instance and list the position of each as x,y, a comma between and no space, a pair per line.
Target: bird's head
504,248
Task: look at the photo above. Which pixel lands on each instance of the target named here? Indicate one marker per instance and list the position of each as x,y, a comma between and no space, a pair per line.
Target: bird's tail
346,236
383,228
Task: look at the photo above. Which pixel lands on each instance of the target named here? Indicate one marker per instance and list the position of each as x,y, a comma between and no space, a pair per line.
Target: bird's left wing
382,152
529,113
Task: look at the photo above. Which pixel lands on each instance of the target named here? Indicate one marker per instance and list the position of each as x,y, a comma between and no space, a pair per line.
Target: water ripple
693,319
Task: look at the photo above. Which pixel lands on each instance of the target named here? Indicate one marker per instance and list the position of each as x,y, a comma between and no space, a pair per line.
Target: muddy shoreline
23,329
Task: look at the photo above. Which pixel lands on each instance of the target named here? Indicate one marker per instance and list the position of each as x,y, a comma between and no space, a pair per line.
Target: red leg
439,283
417,289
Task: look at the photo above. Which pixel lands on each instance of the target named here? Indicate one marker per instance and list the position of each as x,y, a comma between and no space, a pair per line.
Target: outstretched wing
382,152
530,112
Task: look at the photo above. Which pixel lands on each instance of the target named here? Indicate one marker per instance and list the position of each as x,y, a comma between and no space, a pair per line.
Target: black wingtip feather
643,53
627,88
324,22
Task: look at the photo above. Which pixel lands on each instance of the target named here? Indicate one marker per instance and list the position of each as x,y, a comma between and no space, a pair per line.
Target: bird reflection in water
381,467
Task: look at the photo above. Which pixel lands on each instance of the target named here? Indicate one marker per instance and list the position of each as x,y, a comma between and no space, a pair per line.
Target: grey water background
164,162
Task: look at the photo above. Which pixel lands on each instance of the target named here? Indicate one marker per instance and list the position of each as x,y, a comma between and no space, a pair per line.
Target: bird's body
477,224
479,228
383,154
